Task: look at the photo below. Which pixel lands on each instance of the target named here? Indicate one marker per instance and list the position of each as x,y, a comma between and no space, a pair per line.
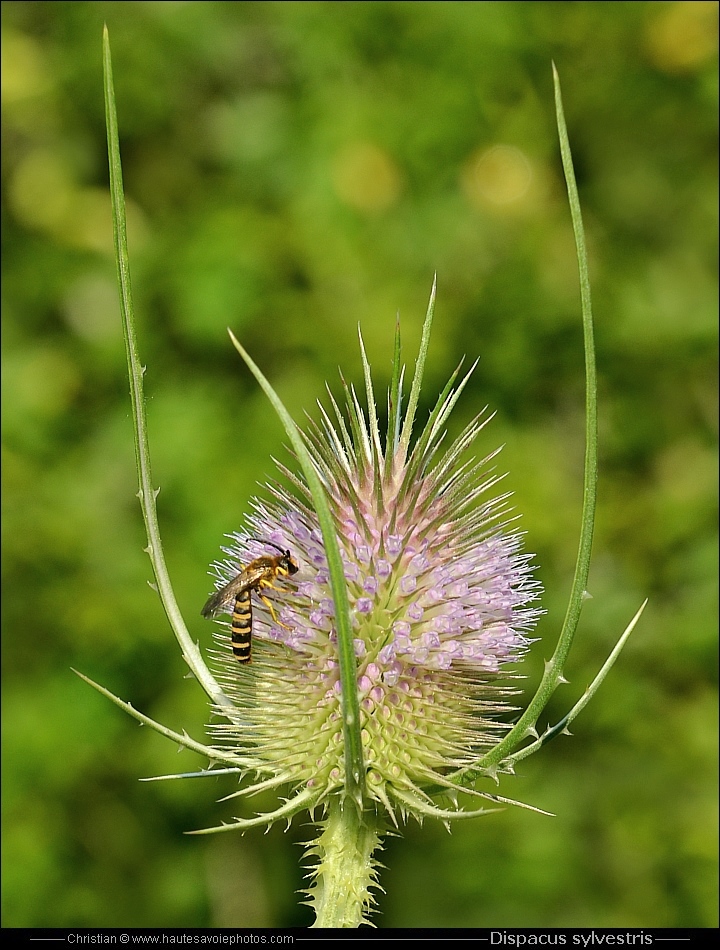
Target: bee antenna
260,541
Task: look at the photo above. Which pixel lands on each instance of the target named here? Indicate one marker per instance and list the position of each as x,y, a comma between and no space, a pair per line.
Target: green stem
562,726
354,764
553,674
345,869
147,494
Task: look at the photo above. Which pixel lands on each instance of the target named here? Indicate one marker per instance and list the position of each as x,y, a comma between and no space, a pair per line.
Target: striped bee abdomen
241,627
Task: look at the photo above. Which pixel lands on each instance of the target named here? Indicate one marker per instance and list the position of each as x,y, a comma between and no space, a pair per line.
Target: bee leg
270,607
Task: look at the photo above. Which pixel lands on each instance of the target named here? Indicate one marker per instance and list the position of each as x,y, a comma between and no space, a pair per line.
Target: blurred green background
293,169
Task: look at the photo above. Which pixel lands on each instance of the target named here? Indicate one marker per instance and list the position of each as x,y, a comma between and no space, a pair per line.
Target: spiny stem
345,869
553,675
147,494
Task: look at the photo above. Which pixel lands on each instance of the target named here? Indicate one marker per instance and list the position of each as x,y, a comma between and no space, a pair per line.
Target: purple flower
441,601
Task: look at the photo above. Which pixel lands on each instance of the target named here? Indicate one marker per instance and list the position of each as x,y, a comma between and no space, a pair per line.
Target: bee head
287,562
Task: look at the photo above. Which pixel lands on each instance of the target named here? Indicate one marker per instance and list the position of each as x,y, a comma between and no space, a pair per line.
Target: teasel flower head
441,602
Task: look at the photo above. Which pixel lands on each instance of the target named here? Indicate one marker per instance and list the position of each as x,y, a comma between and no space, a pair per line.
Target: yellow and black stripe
241,627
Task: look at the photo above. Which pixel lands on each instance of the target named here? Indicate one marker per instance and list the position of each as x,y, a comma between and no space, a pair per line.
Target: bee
257,576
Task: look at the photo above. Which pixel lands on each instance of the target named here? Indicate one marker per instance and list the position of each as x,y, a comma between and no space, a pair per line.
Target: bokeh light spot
498,177
683,36
366,178
23,69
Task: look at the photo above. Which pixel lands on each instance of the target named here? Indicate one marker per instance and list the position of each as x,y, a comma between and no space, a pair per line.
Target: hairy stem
345,869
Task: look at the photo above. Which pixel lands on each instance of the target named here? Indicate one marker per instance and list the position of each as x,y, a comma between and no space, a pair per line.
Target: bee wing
215,603
224,598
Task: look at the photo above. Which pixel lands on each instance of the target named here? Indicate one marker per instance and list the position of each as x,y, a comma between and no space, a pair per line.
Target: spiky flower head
440,602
